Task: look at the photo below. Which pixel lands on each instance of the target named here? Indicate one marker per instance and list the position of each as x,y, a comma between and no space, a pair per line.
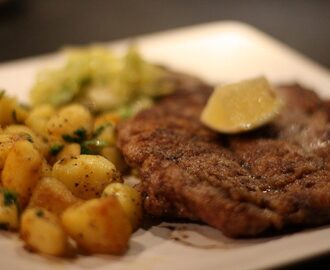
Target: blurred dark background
31,27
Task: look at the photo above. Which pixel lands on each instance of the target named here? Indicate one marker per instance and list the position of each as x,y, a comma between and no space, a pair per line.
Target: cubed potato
98,226
112,153
72,123
7,140
68,151
6,143
11,111
106,118
129,198
42,232
85,175
25,133
22,169
46,169
52,195
8,210
38,118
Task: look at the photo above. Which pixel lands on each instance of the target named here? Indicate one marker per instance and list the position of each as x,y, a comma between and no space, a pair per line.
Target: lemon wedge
241,106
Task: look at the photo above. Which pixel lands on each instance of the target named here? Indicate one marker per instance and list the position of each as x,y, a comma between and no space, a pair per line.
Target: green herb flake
2,93
55,149
100,129
81,133
9,197
78,136
14,116
68,138
86,151
93,147
27,137
86,81
40,213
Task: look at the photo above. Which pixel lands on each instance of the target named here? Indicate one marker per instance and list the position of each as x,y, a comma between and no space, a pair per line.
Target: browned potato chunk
52,195
98,226
38,118
46,169
42,232
6,143
11,111
129,198
106,118
22,169
112,153
68,151
71,122
26,133
85,175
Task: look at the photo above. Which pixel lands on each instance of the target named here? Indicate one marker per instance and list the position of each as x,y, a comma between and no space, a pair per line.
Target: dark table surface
32,27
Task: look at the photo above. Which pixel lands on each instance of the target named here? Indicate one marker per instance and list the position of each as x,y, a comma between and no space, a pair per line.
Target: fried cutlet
269,179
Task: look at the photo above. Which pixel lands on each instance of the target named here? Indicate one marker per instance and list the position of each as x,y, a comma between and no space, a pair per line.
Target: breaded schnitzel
245,185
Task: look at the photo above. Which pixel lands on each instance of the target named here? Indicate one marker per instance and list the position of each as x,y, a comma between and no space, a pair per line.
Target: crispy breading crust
244,185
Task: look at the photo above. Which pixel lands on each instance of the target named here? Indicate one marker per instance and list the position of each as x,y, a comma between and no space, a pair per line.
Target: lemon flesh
241,106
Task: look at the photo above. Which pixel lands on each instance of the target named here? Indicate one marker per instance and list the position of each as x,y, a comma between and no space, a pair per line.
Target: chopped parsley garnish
40,213
9,197
81,133
93,147
85,82
55,149
78,136
100,129
27,136
14,116
2,93
68,138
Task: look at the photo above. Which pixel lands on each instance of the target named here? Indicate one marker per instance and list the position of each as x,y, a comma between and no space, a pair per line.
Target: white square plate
216,52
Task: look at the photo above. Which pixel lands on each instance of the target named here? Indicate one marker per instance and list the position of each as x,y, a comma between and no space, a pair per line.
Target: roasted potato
130,200
6,143
52,195
112,153
98,226
11,111
67,151
25,133
46,169
42,232
85,175
72,123
9,207
106,118
22,169
38,118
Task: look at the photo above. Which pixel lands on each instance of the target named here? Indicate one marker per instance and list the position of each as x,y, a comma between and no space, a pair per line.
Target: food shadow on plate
85,261
198,235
